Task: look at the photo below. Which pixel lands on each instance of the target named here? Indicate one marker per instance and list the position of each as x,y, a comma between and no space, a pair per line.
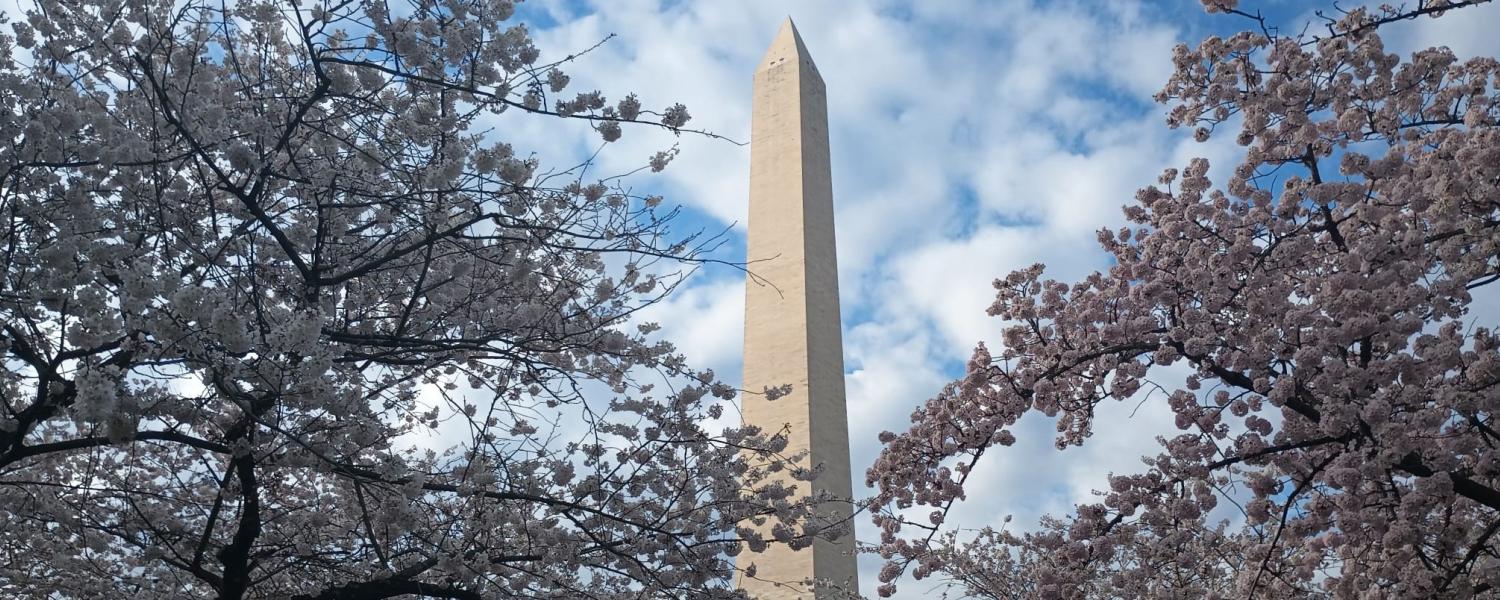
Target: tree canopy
254,250
1343,390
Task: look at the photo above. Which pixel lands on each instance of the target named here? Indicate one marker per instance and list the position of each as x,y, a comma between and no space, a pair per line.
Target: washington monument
792,325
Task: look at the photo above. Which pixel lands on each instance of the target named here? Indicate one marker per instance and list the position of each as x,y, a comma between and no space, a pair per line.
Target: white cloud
1470,33
890,369
706,323
949,282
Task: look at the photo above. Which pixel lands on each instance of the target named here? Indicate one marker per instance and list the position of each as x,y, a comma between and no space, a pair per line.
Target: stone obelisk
792,318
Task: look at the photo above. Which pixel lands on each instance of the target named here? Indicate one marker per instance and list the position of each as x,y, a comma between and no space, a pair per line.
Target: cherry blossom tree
1343,394
255,252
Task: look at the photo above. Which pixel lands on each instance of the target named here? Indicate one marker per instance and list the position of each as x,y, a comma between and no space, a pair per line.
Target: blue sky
970,138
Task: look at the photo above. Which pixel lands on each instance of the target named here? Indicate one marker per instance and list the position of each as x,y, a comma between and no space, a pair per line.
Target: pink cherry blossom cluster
1344,391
